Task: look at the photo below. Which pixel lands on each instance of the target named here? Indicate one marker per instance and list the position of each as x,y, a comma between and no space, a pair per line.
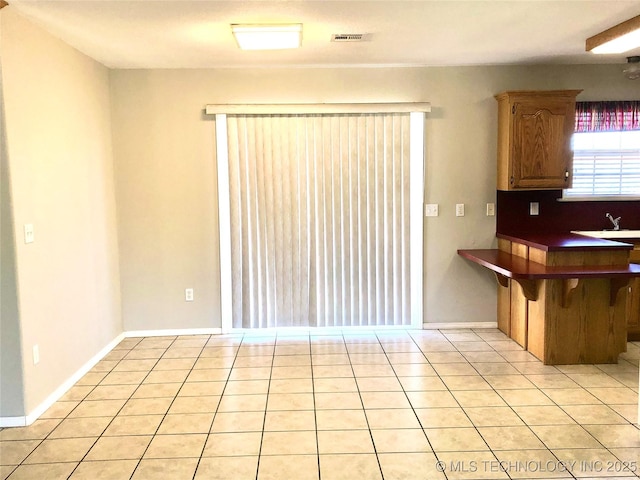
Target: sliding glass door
319,214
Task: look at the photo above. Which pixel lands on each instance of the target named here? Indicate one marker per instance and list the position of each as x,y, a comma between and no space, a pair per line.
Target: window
605,164
606,151
322,173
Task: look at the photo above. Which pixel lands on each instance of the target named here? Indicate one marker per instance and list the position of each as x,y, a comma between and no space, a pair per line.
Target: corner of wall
11,377
65,286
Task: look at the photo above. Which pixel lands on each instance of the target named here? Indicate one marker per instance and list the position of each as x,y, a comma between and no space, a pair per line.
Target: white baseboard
61,390
13,422
284,331
71,381
173,332
458,325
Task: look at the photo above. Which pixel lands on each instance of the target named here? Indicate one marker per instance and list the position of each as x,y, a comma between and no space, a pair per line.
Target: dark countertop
554,242
518,268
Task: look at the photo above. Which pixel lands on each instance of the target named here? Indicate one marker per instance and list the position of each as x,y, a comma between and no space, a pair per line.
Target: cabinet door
541,147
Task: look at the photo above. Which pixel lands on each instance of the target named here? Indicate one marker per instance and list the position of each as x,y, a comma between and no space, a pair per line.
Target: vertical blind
319,208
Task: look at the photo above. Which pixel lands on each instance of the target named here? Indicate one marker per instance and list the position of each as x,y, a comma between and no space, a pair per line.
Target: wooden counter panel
597,331
536,327
504,296
537,255
590,258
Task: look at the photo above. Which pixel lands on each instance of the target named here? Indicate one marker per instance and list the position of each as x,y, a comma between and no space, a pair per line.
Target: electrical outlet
534,208
459,209
491,209
36,354
188,295
29,236
431,210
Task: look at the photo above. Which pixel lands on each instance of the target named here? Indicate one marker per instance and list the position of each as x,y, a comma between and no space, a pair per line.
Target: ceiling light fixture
268,37
618,39
632,72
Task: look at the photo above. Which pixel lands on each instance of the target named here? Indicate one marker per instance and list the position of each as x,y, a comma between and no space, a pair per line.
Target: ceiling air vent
349,37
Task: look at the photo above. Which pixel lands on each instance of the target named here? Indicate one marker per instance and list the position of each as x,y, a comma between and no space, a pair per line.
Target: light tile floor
455,404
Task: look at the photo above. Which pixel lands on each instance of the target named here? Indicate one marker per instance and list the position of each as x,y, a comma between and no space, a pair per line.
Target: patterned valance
607,116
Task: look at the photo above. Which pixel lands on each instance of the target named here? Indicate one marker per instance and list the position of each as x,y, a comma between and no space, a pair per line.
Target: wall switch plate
36,354
29,235
491,209
431,210
459,209
188,295
534,208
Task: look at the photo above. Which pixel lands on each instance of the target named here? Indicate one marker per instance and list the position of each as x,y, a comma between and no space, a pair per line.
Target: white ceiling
197,34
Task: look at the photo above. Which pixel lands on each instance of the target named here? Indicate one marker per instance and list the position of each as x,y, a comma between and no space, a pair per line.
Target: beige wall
11,387
167,208
58,134
165,172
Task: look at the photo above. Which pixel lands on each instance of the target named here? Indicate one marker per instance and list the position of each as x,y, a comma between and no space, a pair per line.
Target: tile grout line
451,392
553,453
67,416
266,405
355,378
444,473
164,416
46,437
204,446
85,399
508,405
315,411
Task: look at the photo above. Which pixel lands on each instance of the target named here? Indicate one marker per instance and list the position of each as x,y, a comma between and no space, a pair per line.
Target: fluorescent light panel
268,37
618,39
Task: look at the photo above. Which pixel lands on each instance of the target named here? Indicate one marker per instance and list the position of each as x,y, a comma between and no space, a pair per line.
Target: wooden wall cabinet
534,139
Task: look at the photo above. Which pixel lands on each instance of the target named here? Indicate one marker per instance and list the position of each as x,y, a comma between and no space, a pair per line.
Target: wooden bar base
564,308
587,330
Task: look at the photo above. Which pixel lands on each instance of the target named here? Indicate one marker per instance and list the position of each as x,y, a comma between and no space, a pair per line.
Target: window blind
606,173
319,219
605,164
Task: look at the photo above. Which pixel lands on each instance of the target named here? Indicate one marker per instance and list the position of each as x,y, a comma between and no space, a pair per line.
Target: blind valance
614,116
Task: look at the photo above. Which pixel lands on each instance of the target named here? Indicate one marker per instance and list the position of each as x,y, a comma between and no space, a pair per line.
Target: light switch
431,210
534,208
28,233
459,209
491,209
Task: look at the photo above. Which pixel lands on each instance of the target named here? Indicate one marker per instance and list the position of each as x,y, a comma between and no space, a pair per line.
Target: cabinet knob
566,175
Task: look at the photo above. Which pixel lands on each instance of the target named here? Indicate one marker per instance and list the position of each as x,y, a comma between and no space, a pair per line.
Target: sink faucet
615,221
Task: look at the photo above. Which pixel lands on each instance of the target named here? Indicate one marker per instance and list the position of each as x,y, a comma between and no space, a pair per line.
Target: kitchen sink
609,234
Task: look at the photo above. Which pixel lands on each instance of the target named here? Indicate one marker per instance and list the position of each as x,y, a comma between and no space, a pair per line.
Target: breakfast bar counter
561,296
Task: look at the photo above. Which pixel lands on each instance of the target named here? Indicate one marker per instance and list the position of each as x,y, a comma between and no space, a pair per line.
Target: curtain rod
314,108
